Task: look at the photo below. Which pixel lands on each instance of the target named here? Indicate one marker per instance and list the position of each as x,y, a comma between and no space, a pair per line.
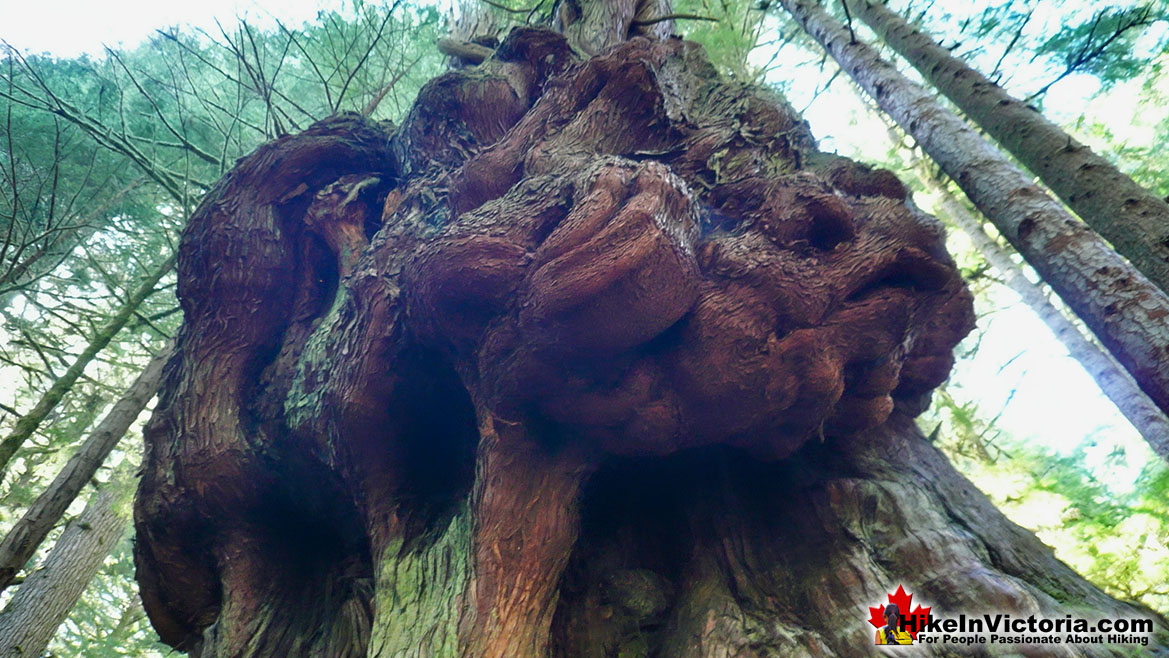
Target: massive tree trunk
588,357
1132,218
1123,308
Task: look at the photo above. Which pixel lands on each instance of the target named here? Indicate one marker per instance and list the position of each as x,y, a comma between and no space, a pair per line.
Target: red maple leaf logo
920,615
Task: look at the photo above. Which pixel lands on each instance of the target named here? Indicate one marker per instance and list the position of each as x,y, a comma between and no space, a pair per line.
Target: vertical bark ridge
423,593
526,523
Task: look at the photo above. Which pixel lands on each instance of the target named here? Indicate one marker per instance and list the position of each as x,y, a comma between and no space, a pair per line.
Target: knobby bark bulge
588,357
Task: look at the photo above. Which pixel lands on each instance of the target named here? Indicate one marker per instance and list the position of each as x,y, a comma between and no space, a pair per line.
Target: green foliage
1137,145
1030,45
101,161
1106,45
1115,535
737,30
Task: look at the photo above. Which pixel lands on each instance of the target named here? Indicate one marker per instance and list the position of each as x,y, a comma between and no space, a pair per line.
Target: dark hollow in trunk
585,358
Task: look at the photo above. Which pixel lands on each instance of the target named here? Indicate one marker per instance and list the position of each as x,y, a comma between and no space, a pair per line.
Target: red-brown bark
603,301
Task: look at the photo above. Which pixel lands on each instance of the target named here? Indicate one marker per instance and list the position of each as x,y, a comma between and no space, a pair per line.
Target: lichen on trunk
594,355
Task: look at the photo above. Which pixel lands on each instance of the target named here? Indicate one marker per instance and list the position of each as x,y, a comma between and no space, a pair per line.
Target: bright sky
1019,354
68,28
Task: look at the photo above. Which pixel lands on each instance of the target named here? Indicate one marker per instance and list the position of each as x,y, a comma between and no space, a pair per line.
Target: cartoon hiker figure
891,634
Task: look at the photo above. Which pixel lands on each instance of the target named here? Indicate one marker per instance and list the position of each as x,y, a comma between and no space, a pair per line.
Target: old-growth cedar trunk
1132,218
594,355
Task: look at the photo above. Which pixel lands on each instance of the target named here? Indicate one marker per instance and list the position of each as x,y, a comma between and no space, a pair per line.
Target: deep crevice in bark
434,450
301,557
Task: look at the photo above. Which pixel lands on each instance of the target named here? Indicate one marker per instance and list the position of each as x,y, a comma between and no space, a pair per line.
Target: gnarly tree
591,356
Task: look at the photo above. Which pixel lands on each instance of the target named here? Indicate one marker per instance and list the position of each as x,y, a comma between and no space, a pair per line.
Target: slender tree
1123,308
1113,379
31,420
591,355
26,536
1132,218
43,600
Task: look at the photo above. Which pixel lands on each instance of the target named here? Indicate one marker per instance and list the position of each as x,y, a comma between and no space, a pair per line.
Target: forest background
106,150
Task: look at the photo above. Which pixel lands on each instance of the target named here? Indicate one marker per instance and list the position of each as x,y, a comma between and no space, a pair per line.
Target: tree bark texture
51,590
1132,218
26,535
589,357
1113,379
1123,308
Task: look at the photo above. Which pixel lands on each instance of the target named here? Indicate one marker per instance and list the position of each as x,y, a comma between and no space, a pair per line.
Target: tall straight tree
592,355
1123,308
43,600
1132,218
26,536
1116,383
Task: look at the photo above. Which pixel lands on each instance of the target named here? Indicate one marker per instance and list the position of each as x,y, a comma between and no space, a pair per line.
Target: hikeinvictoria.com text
1007,629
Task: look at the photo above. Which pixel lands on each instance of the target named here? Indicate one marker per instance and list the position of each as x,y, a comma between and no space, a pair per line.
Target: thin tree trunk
22,540
44,599
1113,379
1123,308
1132,218
49,400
